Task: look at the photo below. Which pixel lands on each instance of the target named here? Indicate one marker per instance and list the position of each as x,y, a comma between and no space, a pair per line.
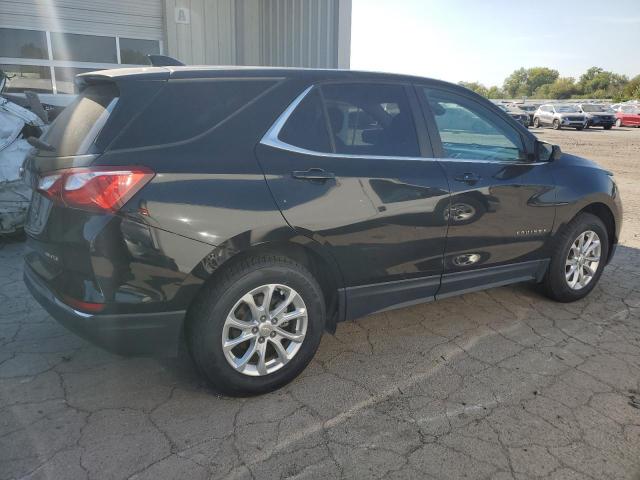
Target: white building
44,43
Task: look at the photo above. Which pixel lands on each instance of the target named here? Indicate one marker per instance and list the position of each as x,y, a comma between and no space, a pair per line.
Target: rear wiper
36,142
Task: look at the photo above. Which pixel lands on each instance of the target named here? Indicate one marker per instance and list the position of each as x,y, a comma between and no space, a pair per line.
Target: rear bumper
130,334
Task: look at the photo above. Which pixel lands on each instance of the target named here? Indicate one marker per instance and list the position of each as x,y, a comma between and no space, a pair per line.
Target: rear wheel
257,327
556,124
536,122
580,256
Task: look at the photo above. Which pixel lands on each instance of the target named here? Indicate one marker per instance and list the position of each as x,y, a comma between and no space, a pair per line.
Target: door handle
313,174
468,178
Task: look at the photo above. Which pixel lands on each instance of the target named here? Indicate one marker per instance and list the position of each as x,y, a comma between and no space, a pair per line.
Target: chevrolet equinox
244,211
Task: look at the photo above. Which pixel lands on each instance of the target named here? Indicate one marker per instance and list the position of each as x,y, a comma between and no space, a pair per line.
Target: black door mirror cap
548,152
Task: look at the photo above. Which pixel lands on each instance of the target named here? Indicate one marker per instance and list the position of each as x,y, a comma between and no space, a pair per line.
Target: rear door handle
313,174
468,177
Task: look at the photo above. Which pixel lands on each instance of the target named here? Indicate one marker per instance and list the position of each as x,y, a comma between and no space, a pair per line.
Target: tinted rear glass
185,109
75,129
307,127
371,119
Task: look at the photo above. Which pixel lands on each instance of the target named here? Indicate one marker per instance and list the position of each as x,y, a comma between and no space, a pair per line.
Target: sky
486,40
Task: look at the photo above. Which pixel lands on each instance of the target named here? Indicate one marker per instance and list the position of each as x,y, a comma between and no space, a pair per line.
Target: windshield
528,108
596,108
566,109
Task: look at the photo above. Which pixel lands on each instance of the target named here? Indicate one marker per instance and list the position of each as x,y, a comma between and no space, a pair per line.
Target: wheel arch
314,256
604,213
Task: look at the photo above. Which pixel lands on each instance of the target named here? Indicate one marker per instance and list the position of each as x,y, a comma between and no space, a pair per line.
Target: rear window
75,129
185,109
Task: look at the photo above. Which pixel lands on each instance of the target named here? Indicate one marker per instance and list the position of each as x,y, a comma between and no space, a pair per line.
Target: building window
47,62
135,51
65,77
22,43
28,77
83,48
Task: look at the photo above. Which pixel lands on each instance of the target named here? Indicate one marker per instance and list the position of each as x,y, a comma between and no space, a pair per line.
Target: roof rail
164,61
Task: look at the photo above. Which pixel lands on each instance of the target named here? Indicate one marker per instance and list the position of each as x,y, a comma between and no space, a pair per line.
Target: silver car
559,115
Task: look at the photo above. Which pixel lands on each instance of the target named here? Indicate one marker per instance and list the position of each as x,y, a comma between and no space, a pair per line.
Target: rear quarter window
76,128
186,108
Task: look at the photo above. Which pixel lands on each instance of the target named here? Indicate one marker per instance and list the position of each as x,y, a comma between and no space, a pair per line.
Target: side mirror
548,152
437,109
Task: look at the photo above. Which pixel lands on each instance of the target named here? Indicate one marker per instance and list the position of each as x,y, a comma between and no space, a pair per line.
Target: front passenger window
467,131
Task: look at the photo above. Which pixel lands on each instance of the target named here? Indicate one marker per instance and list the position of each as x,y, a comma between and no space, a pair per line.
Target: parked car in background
518,115
598,115
627,116
530,108
559,115
249,224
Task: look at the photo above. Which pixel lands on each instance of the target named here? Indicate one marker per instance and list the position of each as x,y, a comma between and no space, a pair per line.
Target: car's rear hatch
65,239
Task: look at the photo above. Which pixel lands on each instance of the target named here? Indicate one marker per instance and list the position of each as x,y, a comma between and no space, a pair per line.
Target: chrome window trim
271,139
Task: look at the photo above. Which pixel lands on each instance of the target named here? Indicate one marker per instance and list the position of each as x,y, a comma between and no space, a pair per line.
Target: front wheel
536,122
580,256
257,327
556,124
618,123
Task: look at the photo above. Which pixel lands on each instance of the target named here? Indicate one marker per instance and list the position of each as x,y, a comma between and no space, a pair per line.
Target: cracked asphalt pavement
501,384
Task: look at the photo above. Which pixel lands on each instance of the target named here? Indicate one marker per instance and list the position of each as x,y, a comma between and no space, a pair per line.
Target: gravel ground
501,384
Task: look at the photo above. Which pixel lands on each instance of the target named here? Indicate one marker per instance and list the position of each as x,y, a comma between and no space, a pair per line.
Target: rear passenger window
307,127
185,109
369,119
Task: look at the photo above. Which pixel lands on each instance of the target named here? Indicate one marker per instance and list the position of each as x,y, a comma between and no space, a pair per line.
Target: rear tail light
103,189
87,307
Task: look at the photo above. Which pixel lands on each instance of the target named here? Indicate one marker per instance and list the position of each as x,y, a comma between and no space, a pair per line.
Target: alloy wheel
264,330
583,260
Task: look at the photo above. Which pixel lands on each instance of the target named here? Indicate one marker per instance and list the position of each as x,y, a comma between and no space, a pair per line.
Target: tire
536,122
579,128
618,123
556,124
556,284
607,127
207,325
586,126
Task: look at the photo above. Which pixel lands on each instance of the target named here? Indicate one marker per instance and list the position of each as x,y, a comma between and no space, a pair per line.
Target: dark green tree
599,83
561,89
525,81
476,87
631,90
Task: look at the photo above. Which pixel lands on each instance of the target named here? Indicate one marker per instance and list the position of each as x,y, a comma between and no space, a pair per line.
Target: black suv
248,210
